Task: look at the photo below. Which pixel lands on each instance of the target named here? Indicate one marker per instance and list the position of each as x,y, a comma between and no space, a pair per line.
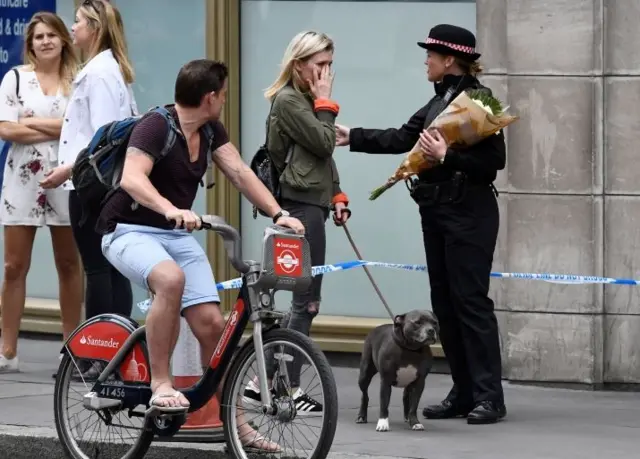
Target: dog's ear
398,320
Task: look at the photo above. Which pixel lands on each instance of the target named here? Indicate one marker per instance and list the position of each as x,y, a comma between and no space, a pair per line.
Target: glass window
162,35
380,82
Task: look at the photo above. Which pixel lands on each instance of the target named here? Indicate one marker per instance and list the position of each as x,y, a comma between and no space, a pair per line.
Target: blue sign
14,17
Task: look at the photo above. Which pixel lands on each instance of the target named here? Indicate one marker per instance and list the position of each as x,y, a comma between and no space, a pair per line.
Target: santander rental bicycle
107,415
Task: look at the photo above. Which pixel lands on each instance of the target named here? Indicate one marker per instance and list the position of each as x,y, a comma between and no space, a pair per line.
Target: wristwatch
282,213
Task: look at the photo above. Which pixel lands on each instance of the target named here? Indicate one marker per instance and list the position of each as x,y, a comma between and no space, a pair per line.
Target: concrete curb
29,442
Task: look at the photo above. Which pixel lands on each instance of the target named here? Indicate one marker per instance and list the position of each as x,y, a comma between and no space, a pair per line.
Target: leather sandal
157,410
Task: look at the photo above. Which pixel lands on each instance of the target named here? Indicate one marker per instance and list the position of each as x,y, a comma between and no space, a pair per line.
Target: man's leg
200,307
140,257
200,300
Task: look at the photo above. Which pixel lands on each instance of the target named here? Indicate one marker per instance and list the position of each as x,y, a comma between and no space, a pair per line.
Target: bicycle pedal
157,413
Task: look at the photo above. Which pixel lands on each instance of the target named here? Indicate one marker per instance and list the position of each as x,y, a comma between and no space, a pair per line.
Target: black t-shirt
175,177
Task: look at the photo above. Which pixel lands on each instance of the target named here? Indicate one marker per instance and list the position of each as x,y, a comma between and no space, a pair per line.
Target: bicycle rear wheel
292,415
109,434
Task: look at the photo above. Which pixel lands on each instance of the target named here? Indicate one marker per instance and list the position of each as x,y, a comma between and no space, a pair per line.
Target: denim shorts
135,250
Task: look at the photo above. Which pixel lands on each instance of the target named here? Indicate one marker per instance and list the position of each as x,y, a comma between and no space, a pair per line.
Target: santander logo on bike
110,343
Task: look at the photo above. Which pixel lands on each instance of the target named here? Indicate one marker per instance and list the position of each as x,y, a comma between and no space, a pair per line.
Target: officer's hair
472,68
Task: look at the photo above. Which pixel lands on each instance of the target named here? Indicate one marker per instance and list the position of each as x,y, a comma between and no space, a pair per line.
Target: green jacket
311,175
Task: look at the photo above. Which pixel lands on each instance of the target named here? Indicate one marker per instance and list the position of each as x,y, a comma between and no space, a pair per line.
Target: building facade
568,197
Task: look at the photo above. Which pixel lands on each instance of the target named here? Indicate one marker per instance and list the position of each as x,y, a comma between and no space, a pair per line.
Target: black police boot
487,413
446,409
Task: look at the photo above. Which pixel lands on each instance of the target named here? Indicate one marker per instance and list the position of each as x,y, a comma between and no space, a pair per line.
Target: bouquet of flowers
469,118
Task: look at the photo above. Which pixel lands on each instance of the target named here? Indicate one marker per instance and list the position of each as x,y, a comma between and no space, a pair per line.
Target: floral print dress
23,201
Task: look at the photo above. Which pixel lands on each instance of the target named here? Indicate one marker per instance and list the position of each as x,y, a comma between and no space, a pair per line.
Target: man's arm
135,181
228,159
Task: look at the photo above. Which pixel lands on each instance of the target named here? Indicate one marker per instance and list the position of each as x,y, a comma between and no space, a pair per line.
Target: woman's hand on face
342,135
56,177
322,83
433,145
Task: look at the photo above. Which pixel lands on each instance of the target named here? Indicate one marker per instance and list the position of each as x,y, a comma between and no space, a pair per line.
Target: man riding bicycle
151,243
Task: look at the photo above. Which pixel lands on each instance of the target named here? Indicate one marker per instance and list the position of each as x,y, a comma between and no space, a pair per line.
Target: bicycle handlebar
232,240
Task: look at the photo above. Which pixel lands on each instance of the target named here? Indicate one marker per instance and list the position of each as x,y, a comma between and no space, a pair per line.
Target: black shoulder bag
265,169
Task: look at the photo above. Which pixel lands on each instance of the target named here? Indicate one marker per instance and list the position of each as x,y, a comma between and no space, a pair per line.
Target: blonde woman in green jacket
301,139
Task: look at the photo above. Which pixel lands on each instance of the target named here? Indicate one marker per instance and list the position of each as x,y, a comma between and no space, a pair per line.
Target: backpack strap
172,131
210,135
170,140
17,83
266,140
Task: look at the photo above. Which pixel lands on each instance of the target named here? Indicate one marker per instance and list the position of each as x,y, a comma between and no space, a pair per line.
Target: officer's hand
342,135
433,144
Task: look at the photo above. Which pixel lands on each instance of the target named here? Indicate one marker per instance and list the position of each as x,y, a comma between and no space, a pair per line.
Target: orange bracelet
340,197
326,104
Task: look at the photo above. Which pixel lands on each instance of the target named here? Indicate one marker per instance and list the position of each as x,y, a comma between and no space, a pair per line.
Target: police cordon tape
553,278
568,279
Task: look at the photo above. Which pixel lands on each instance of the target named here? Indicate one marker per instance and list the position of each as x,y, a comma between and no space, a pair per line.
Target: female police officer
460,220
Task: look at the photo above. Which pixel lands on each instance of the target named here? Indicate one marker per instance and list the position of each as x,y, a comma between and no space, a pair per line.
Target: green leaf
378,191
493,103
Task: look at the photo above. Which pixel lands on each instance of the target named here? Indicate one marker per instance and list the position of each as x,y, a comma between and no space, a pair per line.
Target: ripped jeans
304,306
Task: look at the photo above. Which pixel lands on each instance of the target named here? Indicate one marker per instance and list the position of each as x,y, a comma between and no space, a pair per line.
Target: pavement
542,423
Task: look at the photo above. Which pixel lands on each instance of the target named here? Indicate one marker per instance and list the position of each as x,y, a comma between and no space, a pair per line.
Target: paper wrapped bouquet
471,117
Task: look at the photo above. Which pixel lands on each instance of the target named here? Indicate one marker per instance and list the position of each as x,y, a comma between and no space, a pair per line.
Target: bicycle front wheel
111,433
304,396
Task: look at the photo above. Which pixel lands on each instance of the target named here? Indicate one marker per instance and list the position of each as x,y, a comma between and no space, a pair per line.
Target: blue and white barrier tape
567,278
325,269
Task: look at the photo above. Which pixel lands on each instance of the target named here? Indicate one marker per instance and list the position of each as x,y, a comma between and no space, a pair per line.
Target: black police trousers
459,240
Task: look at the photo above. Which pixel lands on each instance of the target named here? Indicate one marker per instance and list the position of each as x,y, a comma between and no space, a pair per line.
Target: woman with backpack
102,93
301,140
33,98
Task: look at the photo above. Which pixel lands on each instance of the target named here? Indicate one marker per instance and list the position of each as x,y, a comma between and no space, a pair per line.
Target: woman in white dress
33,99
101,93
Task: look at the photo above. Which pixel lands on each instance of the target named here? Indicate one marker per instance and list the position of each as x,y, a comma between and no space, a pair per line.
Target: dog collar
403,342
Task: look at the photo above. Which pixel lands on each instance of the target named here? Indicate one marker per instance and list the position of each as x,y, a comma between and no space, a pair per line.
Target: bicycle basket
286,261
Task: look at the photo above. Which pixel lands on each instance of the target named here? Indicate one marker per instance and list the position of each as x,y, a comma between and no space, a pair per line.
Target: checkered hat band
464,49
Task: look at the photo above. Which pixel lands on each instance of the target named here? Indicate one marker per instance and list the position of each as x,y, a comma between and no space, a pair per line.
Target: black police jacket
480,162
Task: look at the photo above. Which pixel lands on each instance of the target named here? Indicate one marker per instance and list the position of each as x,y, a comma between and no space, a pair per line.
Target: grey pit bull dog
400,352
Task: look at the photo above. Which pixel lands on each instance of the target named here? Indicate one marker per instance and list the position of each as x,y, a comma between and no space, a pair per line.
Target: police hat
451,40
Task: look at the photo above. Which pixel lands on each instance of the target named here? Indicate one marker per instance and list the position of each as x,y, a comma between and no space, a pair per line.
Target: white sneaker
8,365
251,397
306,405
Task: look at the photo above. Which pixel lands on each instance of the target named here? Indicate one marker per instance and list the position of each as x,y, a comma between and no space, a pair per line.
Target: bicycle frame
106,332
131,394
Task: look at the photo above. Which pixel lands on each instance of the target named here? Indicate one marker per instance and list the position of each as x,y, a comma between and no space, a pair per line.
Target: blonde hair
302,47
69,62
472,68
106,20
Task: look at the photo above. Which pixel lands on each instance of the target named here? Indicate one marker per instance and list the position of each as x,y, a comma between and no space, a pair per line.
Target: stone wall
570,195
